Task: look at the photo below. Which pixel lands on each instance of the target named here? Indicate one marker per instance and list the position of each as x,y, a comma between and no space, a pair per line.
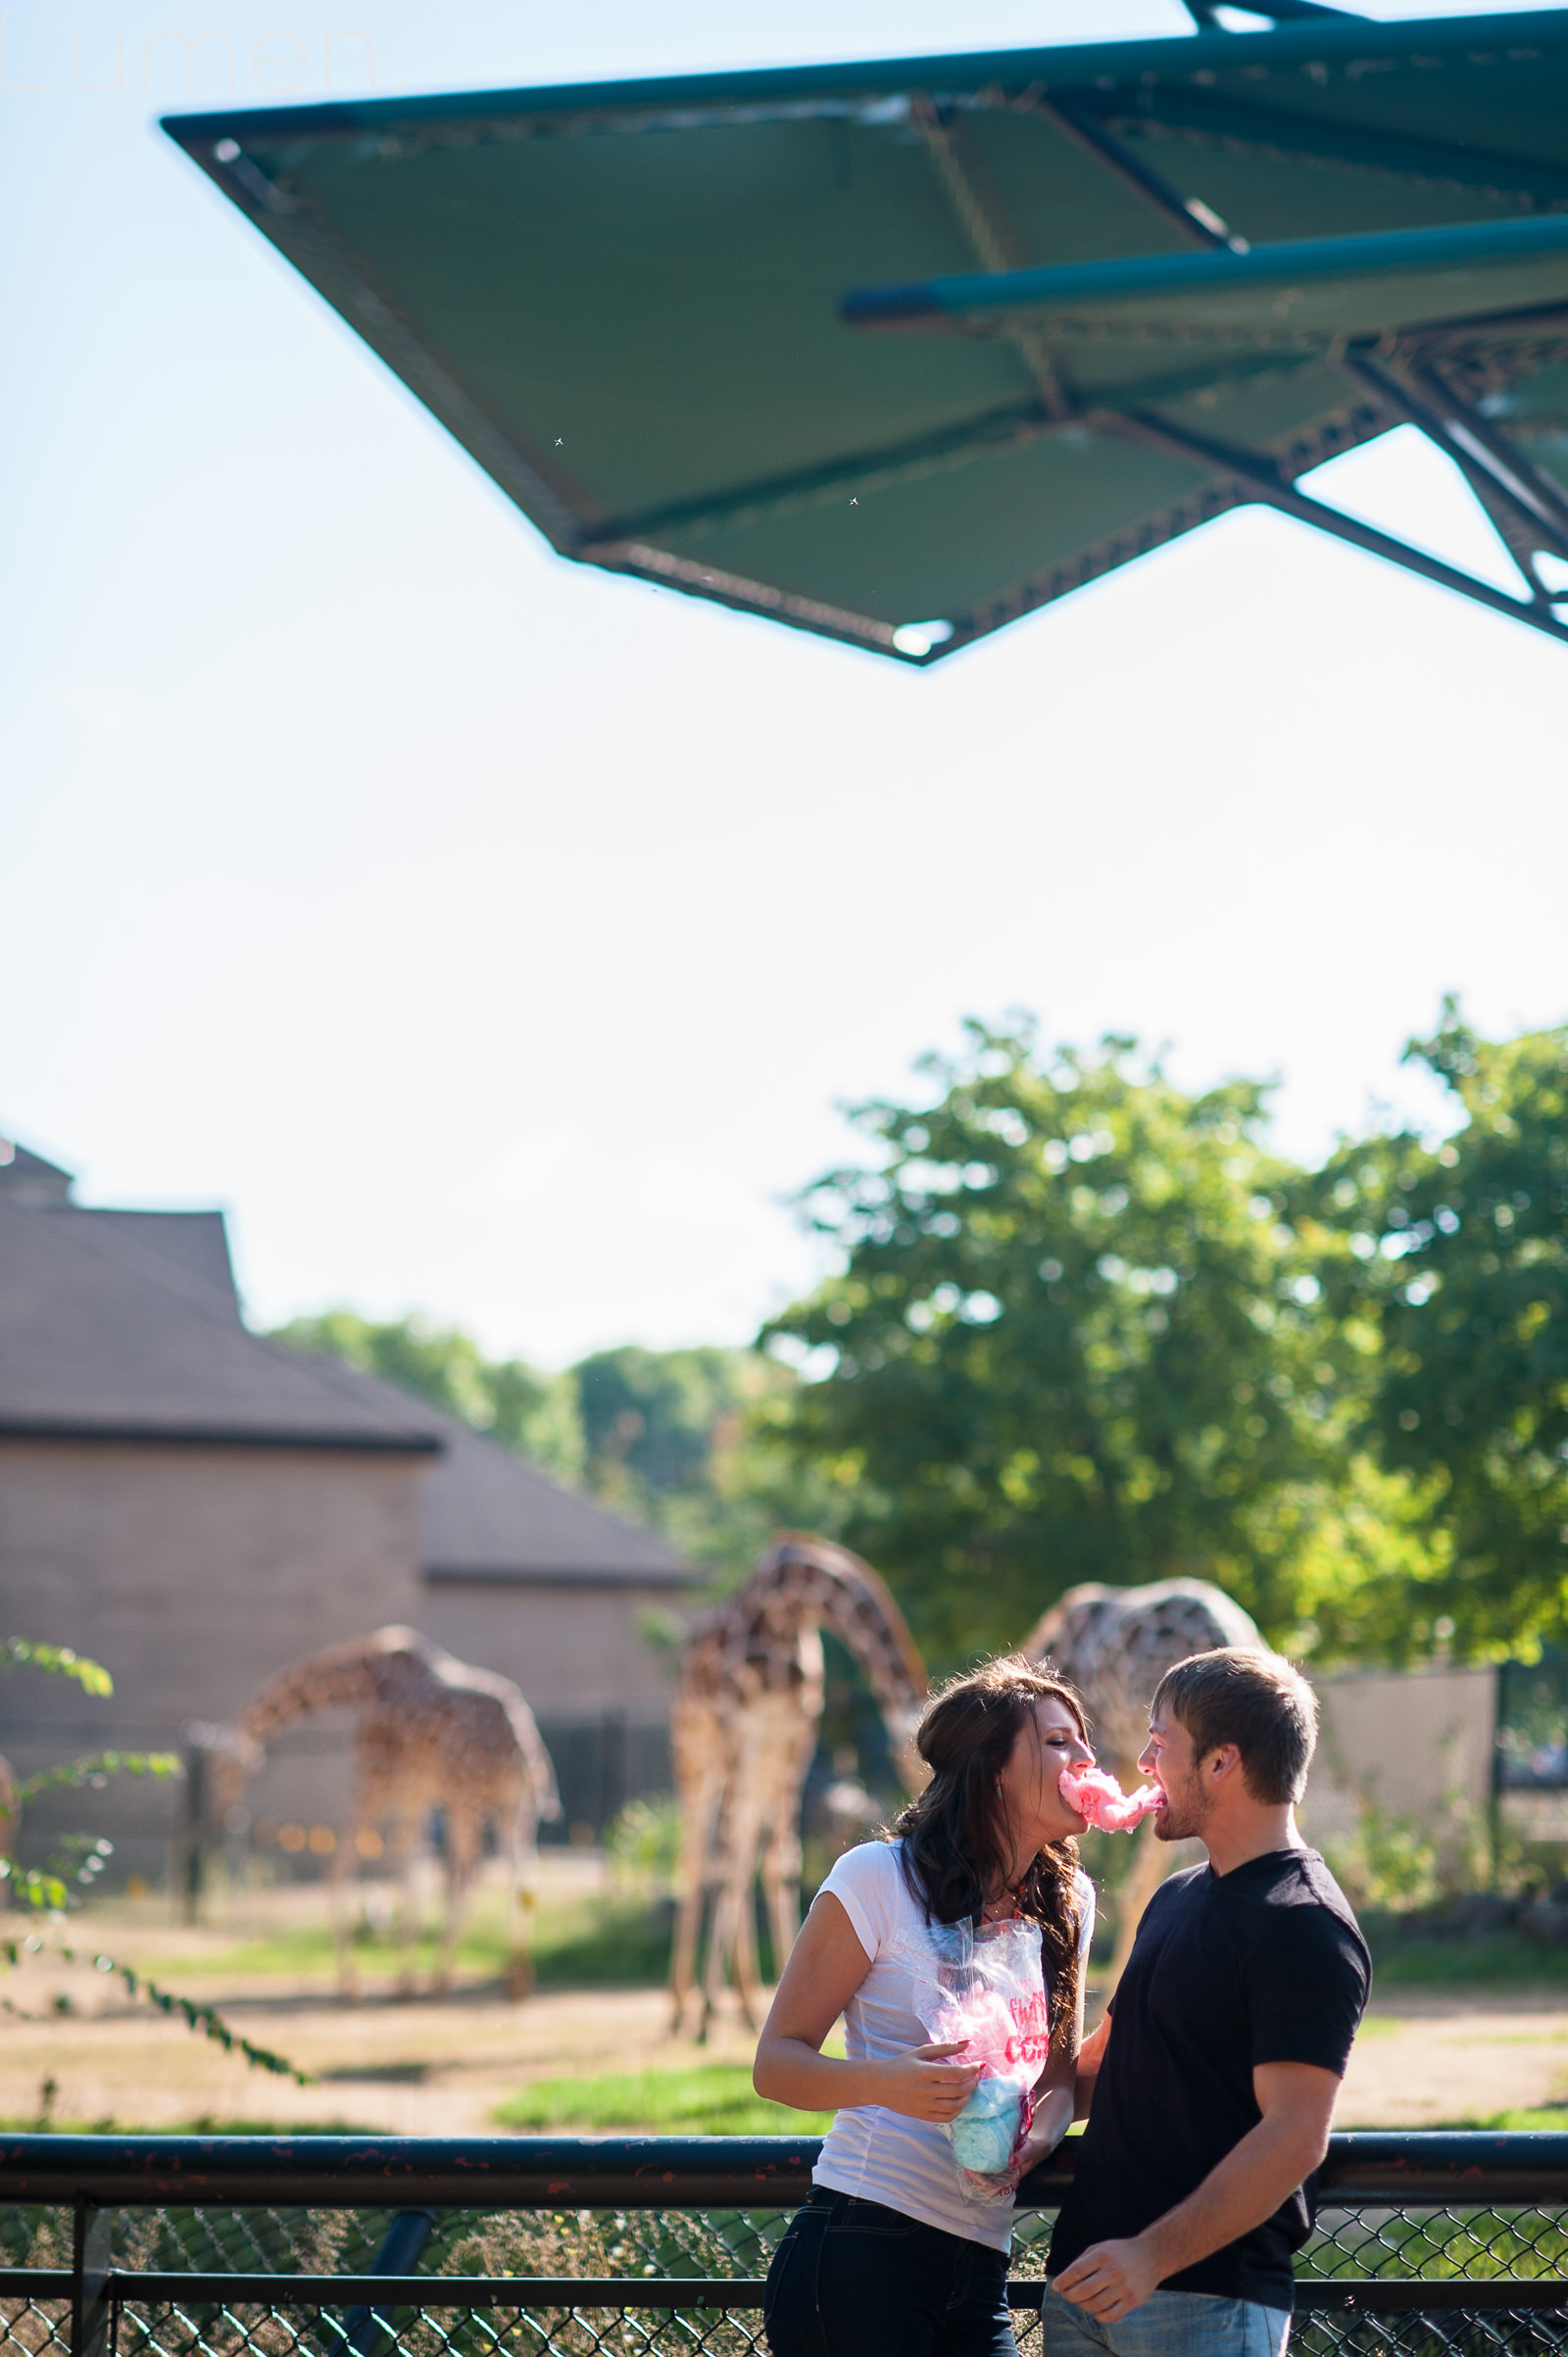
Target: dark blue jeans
852,2279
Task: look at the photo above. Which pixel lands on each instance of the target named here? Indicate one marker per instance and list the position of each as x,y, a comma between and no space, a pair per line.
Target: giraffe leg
732,1944
406,1856
781,1857
781,1887
461,1858
348,1964
701,1748
521,1899
748,1965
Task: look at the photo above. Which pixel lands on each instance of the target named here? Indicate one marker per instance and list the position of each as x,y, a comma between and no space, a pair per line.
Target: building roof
25,1178
492,1520
103,1338
125,1326
194,1242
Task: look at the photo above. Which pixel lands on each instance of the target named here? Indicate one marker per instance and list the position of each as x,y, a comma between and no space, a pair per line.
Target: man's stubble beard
1183,1814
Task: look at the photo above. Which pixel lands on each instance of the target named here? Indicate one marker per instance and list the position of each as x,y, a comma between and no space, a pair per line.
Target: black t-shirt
1264,1964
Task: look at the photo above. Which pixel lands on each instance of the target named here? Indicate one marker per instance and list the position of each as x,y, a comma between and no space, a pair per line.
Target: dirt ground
424,2067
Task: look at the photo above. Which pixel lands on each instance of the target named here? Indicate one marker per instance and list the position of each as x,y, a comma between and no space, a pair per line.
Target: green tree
1073,1339
694,1441
1454,1260
533,1413
689,1442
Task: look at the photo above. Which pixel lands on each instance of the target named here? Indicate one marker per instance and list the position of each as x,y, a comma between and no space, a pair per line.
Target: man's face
1168,1760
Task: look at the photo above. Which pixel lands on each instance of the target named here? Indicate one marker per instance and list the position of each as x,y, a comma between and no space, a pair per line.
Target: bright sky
494,938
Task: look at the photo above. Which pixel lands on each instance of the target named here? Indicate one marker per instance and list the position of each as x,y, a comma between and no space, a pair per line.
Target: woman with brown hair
890,2257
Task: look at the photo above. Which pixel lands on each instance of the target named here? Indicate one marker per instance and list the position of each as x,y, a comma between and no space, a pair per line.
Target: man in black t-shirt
1210,2084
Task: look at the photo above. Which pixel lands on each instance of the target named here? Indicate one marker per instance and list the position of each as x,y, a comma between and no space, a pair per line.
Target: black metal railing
421,2247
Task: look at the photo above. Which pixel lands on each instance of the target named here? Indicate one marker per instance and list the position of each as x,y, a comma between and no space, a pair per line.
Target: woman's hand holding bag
923,2085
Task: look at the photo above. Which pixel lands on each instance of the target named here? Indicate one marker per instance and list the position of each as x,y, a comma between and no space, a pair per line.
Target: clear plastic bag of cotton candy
985,1988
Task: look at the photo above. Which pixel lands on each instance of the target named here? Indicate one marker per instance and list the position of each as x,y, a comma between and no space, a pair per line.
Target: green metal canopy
898,352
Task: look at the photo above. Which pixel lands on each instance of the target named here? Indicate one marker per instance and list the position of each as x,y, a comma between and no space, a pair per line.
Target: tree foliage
1088,1325
532,1413
1073,1339
693,1443
687,1442
1454,1261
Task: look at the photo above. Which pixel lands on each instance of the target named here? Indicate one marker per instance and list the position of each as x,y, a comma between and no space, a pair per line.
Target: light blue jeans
1169,2323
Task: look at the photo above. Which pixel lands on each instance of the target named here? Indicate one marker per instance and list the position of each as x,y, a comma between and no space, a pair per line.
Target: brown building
194,1506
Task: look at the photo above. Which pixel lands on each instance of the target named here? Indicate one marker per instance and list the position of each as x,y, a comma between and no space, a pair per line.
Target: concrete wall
573,1649
1414,1743
191,1574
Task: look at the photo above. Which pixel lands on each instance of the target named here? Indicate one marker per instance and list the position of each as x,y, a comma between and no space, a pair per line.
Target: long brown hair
956,1844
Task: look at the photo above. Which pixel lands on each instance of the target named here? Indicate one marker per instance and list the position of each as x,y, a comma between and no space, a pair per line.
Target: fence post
407,2232
92,2321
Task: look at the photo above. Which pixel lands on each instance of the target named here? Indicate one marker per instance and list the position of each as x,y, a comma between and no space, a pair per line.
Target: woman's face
1037,1813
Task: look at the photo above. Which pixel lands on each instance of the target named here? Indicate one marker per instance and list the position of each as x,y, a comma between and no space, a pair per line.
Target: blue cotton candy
986,2131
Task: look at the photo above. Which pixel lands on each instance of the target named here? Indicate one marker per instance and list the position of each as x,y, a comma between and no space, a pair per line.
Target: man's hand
923,2085
1296,2102
1110,2279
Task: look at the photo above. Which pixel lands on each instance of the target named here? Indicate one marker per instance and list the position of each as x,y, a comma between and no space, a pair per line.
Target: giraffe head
232,1758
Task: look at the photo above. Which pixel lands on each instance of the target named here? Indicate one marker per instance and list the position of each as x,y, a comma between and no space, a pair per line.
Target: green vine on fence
202,2018
46,1892
96,1769
17,1652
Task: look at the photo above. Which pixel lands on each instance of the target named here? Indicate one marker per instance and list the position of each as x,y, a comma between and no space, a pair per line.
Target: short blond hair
1255,1701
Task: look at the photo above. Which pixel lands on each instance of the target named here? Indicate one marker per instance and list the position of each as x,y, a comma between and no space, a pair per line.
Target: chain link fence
1423,2245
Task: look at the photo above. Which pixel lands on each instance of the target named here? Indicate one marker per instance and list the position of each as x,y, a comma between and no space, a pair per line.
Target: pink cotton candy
1100,1799
982,2019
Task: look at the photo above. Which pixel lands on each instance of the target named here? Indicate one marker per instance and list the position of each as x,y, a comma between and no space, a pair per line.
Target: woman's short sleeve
1084,1890
868,1885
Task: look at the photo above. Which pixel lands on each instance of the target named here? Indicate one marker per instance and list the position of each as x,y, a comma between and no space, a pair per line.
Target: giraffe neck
319,1684
832,1587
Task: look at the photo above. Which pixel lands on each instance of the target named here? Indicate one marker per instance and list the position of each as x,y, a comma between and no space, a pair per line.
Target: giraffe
1114,1644
429,1732
742,1731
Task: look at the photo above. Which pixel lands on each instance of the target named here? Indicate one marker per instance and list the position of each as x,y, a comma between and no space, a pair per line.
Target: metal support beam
1085,125
1521,521
1488,459
407,2232
92,2261
997,245
822,486
1252,471
1365,254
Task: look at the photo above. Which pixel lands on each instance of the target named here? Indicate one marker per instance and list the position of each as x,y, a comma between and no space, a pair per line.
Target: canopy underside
624,302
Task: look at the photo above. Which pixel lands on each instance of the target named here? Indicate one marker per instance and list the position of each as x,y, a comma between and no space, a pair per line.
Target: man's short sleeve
868,1883
1308,1986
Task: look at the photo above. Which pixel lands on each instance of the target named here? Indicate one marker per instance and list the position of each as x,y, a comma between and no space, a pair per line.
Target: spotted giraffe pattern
744,1729
429,1732
1114,1644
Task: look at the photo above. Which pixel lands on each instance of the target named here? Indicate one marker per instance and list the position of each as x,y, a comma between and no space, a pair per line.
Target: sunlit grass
708,2099
599,1942
1498,1957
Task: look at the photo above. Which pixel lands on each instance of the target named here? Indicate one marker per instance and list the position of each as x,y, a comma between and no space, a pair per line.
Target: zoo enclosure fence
531,2246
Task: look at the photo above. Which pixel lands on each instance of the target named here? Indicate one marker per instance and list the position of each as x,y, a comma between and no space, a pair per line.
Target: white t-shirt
879,2154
